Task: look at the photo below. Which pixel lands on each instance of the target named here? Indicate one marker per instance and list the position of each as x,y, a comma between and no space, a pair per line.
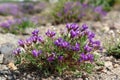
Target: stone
116,65
108,65
116,61
29,77
106,29
25,74
80,79
3,67
104,70
29,30
7,50
8,38
12,66
10,77
108,58
1,58
58,78
2,78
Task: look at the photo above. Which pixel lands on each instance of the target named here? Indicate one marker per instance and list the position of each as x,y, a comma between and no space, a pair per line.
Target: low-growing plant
71,52
17,26
74,11
17,9
10,9
113,49
106,4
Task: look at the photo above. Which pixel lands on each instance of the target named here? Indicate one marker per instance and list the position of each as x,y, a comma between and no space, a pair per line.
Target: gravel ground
109,26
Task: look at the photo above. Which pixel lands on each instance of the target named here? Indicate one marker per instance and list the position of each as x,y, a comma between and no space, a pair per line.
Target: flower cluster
19,9
9,8
17,24
74,11
72,49
50,33
33,39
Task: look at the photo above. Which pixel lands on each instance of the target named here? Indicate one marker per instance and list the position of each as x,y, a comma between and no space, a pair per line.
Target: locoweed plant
113,49
106,4
10,9
75,11
20,9
72,51
17,26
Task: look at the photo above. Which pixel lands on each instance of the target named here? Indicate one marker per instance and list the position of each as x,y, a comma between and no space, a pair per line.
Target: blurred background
20,14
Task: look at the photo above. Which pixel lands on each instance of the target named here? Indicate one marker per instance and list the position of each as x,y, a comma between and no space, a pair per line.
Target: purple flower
64,44
90,57
35,53
18,21
40,39
95,44
51,57
34,38
86,57
87,48
91,35
84,5
66,11
101,49
74,26
73,33
100,11
58,41
29,41
103,13
35,32
34,19
50,33
40,52
68,26
59,14
5,25
84,27
10,22
60,58
21,43
17,51
83,57
67,7
76,47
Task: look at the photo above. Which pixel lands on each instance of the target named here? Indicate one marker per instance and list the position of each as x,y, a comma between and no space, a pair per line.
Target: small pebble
116,65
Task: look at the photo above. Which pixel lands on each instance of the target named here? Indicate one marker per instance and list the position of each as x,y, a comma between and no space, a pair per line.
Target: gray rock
29,77
29,30
3,69
11,38
10,77
2,78
1,58
7,49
